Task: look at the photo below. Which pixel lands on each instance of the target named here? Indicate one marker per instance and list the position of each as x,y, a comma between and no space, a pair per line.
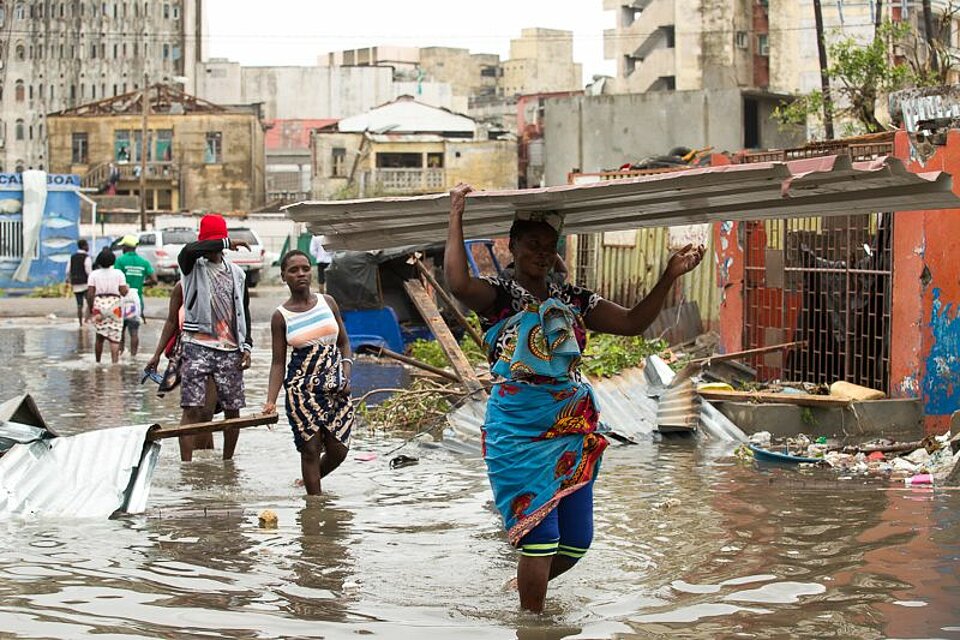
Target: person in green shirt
138,271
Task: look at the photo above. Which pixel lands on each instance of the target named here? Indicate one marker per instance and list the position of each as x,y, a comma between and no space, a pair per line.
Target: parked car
161,249
251,261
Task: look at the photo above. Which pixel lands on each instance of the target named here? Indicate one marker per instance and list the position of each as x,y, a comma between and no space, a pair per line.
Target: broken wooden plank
425,305
739,355
159,433
800,399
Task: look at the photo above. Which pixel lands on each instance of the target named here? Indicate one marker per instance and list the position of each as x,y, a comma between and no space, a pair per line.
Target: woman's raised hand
458,199
685,260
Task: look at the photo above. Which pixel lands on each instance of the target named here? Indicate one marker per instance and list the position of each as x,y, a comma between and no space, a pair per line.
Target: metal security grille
826,282
11,239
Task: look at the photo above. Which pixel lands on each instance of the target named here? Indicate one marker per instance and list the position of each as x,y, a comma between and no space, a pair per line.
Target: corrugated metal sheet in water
83,476
628,405
824,186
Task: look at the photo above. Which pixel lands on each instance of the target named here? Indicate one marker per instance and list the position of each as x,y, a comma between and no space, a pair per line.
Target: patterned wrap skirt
108,317
314,401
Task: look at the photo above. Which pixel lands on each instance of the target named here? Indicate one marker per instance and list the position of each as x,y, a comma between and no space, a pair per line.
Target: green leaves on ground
607,355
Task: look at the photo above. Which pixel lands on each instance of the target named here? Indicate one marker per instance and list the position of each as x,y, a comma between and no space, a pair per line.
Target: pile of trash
933,460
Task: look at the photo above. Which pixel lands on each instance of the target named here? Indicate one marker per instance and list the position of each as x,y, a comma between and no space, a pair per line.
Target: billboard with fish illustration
59,229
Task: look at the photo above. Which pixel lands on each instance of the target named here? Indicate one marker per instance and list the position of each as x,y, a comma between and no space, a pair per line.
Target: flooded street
689,544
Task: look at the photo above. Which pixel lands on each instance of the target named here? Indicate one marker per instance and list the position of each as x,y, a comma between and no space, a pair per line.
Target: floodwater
689,544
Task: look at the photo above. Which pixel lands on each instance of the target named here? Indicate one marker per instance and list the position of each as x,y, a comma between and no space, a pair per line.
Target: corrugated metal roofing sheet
90,475
407,116
628,406
824,186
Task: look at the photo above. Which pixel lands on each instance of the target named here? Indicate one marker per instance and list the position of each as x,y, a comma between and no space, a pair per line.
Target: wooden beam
425,305
383,352
159,433
800,399
739,355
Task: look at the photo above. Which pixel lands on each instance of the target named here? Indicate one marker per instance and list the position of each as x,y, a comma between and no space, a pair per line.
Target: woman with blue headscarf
542,440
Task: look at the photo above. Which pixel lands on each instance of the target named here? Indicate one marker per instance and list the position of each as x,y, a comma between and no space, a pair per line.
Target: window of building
19,130
73,93
399,160
434,161
166,52
164,145
21,52
19,11
30,132
338,167
763,44
30,92
93,91
52,93
213,152
79,150
176,11
741,40
116,11
93,51
166,11
19,91
121,146
136,48
116,51
63,10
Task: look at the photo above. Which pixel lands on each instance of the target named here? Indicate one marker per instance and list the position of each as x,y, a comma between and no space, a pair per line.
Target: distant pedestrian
105,289
78,273
323,259
216,329
138,271
317,378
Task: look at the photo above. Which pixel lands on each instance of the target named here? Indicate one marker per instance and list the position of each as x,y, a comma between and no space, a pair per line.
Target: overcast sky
294,32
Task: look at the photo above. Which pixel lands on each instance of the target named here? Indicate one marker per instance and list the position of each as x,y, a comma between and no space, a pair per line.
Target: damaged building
200,156
406,147
57,55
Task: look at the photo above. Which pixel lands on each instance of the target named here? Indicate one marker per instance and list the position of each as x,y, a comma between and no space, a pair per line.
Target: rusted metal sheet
824,186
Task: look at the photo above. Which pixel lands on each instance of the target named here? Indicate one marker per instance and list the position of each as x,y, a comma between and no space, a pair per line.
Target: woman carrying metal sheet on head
542,439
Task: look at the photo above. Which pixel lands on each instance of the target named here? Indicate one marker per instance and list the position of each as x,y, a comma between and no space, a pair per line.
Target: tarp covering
824,186
90,475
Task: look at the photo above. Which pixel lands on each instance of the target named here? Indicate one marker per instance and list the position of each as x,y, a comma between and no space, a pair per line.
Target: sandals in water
402,461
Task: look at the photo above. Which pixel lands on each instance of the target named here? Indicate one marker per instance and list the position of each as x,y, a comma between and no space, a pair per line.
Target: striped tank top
312,327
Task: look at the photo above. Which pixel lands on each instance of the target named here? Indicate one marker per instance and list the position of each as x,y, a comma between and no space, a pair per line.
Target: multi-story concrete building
307,93
473,75
769,45
541,60
200,156
57,55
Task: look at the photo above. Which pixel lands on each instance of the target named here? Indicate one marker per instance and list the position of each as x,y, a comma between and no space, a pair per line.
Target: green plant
607,355
860,76
807,417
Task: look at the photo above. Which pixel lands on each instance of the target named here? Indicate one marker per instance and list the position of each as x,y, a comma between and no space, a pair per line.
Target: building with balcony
406,147
199,156
57,55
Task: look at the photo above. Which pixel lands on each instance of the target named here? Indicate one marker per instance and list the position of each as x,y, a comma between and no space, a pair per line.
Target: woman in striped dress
317,379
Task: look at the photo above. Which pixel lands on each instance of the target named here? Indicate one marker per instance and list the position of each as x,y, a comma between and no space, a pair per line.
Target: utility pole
878,19
824,78
931,37
144,145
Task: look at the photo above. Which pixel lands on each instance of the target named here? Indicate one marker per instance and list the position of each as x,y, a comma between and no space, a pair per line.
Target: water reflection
688,543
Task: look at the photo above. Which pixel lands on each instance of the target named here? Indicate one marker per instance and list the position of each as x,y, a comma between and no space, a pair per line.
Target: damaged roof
822,186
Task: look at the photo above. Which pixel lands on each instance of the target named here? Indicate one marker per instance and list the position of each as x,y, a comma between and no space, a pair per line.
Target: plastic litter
919,479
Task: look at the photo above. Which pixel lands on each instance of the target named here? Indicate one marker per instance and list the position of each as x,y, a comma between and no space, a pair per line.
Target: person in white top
323,259
105,290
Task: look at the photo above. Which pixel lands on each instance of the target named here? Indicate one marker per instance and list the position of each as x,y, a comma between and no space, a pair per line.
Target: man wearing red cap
216,329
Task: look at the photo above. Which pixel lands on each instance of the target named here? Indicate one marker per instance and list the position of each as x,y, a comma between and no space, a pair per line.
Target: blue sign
59,230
